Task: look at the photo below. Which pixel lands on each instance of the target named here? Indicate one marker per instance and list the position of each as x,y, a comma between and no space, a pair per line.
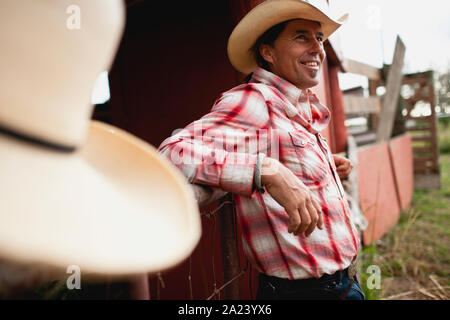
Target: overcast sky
424,27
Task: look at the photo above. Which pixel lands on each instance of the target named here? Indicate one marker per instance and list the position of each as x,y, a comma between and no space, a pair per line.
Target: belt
326,279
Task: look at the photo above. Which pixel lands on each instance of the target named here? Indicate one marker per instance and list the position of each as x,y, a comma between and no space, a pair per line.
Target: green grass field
414,258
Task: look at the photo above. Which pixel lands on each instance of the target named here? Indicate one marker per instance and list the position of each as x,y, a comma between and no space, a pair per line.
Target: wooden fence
390,114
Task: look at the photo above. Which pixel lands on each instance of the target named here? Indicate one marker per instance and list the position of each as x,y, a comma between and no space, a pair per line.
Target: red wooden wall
385,182
401,154
377,192
171,66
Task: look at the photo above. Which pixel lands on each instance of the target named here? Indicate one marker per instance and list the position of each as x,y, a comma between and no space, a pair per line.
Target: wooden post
434,127
230,265
373,117
393,85
338,113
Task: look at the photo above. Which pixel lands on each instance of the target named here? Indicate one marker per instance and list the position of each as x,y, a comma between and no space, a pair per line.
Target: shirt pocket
310,165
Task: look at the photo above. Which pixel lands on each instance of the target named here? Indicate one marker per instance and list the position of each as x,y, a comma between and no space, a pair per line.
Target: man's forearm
230,171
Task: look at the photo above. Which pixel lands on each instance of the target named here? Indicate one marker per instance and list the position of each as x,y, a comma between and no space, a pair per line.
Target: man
261,142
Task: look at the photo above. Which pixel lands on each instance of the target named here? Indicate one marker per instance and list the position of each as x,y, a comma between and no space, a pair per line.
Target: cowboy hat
268,14
75,191
112,206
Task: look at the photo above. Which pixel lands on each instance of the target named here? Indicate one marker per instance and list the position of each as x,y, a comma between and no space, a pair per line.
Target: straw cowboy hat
75,191
112,206
268,14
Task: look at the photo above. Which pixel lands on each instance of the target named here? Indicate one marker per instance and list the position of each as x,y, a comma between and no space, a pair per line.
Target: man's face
297,54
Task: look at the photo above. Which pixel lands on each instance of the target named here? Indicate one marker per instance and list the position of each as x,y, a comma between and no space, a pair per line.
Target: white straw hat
72,191
268,14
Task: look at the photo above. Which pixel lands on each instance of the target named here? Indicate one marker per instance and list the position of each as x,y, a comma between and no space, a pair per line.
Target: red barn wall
171,66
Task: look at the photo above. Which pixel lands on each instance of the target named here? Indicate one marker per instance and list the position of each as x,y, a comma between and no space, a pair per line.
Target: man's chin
307,84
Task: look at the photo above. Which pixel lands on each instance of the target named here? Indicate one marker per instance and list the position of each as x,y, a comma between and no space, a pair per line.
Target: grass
414,258
444,137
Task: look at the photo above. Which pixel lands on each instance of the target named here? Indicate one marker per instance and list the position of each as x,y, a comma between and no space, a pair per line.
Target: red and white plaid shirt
270,117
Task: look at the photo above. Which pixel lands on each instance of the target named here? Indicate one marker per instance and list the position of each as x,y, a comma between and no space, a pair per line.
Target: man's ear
265,51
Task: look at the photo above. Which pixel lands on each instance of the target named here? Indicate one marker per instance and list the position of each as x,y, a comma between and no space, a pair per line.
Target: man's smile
312,65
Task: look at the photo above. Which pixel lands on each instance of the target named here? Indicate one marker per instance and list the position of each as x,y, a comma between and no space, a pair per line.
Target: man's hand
304,211
343,166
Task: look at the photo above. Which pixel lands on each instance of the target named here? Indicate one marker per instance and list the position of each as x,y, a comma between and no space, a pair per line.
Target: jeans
330,287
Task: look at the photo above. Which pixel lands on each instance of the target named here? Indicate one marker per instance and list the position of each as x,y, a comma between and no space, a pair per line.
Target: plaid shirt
270,117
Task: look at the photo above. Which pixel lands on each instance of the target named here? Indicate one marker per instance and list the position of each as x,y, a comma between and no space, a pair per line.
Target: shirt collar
305,106
285,87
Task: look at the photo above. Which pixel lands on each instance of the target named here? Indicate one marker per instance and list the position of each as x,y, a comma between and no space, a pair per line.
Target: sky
370,33
101,92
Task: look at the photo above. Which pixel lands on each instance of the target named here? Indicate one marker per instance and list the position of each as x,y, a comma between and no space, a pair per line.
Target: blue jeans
355,292
330,287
